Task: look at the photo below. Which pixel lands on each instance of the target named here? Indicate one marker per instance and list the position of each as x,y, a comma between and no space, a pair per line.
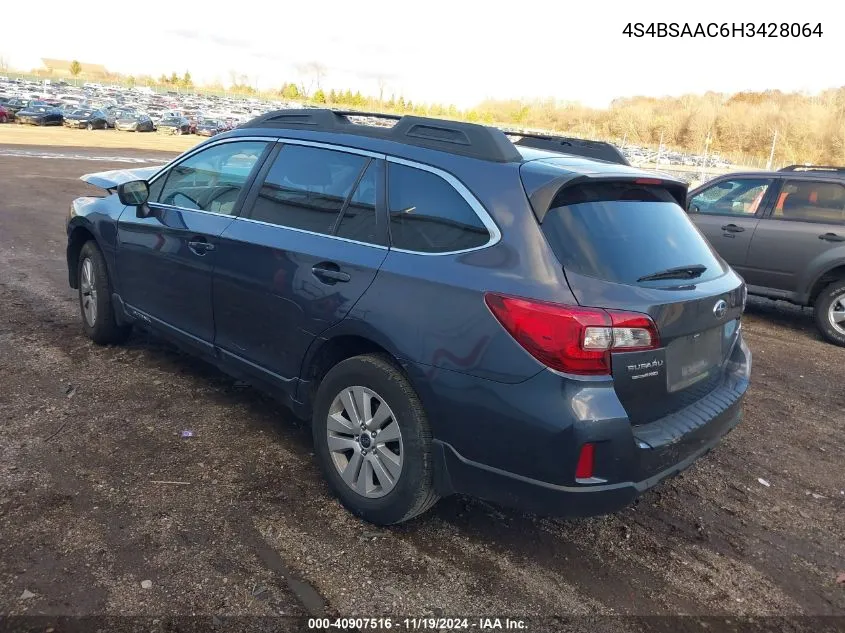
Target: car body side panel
788,255
268,303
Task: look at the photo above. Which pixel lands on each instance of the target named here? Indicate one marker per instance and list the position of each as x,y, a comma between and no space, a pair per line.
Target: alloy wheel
836,313
88,292
365,442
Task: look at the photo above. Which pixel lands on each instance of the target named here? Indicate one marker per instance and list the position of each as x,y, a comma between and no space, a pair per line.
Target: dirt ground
99,492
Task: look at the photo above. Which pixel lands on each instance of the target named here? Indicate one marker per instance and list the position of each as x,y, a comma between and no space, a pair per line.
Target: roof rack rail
455,137
580,147
813,168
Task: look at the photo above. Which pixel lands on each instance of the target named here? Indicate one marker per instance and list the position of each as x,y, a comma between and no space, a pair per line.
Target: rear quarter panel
430,309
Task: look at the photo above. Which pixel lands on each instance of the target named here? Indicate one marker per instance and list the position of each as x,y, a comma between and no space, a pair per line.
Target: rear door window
811,201
622,232
306,188
360,220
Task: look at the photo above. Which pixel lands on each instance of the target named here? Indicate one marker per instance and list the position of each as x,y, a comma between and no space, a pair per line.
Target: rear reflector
572,339
586,462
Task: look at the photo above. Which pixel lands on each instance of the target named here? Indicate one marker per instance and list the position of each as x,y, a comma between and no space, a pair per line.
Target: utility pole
772,153
707,142
659,149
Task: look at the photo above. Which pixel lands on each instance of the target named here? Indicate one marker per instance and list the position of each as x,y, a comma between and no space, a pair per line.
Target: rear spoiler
109,180
541,195
597,150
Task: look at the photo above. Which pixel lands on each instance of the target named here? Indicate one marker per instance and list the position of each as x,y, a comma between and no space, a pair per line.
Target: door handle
732,228
330,273
200,247
832,237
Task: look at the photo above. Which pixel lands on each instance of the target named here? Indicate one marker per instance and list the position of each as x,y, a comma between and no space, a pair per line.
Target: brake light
572,339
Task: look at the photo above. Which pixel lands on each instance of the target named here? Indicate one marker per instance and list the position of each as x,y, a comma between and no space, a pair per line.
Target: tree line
809,128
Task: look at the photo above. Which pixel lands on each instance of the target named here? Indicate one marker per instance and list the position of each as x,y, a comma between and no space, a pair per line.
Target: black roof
455,137
805,173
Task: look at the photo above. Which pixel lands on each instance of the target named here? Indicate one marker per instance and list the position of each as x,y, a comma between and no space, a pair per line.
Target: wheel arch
77,237
326,352
825,278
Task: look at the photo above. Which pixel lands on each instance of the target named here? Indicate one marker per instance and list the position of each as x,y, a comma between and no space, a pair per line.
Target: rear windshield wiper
679,272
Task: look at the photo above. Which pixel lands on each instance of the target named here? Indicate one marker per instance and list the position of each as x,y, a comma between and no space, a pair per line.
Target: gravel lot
98,491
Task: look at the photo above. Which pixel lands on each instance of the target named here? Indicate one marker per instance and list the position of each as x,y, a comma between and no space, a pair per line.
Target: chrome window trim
463,191
196,150
172,207
292,228
466,194
330,146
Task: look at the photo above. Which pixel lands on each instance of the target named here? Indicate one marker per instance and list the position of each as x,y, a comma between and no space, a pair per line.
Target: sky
453,51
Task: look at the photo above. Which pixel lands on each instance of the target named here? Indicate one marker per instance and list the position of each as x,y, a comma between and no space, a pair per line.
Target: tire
100,325
829,301
90,126
411,491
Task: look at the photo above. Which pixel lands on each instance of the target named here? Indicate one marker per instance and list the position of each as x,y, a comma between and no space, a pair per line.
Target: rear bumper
458,474
520,459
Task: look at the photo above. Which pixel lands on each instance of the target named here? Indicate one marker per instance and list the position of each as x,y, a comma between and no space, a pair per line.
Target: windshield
83,113
625,232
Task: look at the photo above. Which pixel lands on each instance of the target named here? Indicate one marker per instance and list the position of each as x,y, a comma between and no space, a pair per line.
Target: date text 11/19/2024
417,624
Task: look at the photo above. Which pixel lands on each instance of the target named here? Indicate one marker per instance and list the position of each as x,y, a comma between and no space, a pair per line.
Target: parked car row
646,156
138,109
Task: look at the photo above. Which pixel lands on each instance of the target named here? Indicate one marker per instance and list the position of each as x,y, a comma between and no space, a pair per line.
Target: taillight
572,339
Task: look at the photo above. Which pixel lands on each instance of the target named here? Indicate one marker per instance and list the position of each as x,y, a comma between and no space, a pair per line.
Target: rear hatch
626,244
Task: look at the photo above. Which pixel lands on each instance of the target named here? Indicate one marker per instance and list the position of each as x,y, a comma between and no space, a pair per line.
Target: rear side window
428,215
622,232
809,201
306,188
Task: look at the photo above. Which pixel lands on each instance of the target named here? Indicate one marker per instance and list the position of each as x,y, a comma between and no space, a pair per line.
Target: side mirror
135,193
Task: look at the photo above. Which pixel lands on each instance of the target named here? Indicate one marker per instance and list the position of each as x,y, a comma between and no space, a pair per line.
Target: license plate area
692,358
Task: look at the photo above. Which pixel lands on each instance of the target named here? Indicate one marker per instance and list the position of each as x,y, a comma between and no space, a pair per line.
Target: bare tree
381,80
311,74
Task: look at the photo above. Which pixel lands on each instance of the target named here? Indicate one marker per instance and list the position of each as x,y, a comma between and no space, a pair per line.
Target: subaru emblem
720,309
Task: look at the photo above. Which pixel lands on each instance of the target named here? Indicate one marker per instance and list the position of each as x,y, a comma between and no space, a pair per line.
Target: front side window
741,197
306,188
210,180
809,201
428,215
